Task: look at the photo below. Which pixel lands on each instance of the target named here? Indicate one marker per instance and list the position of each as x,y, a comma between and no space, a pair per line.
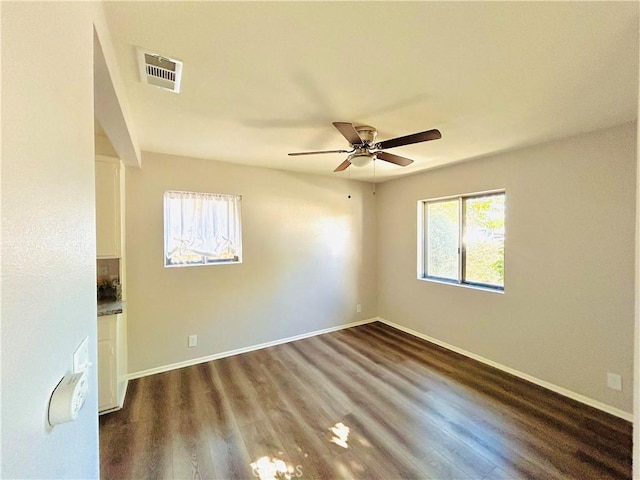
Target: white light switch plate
81,357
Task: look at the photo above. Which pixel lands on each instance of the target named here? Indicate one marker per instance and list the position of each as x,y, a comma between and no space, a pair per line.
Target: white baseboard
229,353
549,386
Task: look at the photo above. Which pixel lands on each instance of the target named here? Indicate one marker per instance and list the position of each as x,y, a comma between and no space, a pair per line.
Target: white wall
48,233
308,260
566,316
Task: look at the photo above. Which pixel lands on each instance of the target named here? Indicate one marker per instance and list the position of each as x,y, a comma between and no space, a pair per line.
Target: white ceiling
262,79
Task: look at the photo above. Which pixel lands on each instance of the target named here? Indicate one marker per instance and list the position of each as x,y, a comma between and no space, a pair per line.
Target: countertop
110,307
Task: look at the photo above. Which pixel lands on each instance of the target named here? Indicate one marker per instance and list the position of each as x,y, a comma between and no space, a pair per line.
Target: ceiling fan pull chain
374,174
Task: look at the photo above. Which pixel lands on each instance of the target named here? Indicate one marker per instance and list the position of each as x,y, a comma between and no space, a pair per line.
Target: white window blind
201,228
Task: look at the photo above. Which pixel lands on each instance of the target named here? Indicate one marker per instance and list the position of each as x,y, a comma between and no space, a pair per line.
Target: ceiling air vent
158,70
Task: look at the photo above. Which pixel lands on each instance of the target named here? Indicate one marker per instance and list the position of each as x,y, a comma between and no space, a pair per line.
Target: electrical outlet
193,340
614,381
358,308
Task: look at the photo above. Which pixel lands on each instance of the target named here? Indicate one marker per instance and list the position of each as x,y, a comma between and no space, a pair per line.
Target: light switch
81,357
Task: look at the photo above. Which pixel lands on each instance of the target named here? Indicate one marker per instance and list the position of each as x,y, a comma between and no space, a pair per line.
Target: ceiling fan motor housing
367,134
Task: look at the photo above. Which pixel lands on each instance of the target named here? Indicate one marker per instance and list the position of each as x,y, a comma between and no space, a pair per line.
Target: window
462,239
201,229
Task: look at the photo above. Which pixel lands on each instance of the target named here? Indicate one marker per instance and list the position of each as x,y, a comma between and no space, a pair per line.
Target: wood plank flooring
412,409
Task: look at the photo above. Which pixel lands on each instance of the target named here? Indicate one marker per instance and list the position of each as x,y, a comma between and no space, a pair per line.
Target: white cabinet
111,382
107,207
112,329
107,365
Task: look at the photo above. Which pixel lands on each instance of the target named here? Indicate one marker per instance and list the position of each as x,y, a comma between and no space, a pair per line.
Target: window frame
205,262
462,253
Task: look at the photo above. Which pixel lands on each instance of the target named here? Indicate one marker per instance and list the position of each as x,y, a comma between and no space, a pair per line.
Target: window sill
463,285
220,262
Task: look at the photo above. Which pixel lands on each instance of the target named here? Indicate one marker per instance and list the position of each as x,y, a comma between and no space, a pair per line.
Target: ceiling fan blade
349,132
409,139
343,166
397,159
320,151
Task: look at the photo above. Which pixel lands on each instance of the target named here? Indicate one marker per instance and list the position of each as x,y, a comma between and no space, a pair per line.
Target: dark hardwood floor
411,409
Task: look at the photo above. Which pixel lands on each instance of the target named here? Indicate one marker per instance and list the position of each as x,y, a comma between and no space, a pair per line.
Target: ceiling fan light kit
365,149
361,157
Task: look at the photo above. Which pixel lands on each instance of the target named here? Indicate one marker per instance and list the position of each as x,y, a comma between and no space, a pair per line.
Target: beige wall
308,260
566,316
48,235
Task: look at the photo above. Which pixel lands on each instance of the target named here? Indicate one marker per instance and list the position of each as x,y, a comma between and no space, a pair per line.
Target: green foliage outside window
483,227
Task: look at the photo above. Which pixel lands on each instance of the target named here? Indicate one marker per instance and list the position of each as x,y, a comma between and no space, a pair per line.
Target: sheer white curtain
201,228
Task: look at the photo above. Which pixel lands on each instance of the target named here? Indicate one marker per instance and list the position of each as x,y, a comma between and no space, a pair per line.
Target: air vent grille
158,70
161,73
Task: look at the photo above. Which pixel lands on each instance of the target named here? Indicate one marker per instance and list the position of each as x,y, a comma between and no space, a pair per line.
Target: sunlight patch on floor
340,434
266,468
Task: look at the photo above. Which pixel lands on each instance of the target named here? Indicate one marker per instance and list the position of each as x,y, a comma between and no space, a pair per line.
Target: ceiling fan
365,149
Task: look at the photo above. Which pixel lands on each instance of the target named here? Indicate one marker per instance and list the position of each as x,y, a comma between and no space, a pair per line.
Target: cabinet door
107,363
106,375
107,208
